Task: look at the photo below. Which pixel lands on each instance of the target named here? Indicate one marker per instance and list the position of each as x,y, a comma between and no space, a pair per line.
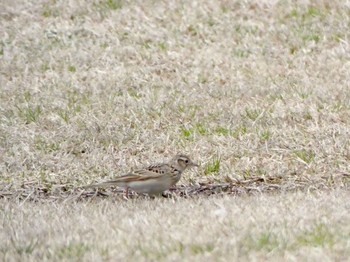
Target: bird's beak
194,164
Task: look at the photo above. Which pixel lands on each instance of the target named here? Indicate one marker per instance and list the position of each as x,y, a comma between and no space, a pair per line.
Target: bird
154,179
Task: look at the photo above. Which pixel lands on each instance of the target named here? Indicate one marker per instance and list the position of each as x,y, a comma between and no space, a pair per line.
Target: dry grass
293,226
256,91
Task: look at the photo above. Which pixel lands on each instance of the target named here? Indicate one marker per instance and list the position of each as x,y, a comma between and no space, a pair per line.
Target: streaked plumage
153,179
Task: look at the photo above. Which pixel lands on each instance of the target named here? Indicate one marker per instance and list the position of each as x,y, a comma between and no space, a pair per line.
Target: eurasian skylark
154,179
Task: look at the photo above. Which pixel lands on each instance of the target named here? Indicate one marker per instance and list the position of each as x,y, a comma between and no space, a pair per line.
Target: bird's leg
127,193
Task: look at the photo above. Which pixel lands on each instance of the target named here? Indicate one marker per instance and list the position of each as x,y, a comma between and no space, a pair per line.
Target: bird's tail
107,184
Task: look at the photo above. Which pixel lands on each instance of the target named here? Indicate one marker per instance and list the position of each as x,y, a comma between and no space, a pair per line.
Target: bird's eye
186,161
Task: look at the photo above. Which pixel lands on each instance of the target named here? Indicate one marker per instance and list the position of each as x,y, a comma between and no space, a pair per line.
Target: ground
257,92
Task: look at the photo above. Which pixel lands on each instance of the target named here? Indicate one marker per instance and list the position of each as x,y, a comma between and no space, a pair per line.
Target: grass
256,92
213,167
305,156
265,226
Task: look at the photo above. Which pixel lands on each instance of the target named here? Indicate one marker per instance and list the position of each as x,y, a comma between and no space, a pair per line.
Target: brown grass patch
256,91
247,186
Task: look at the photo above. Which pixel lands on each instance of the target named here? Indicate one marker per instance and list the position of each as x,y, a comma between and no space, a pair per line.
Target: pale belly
152,186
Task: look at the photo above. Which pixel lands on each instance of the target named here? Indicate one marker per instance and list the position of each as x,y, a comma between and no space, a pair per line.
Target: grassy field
287,226
257,92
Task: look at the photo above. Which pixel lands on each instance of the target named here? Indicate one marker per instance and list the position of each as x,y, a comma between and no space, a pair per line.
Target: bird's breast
151,185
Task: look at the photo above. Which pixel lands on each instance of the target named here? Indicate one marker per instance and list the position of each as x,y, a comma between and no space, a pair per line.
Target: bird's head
184,162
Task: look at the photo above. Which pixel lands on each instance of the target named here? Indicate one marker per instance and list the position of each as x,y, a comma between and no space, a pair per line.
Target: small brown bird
154,179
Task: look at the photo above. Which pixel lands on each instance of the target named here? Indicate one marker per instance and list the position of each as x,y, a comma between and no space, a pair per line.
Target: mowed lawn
251,90
278,227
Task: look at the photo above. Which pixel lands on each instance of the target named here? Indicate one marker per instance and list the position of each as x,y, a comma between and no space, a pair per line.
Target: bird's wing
140,174
154,170
151,172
